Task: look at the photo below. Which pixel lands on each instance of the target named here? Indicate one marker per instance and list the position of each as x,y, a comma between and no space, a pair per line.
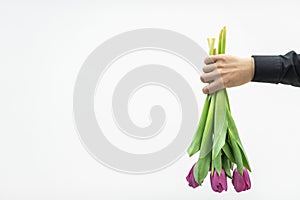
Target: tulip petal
238,181
218,183
191,179
247,179
223,180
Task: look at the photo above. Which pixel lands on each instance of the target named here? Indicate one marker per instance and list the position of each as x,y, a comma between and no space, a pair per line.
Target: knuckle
220,65
223,72
222,57
226,58
220,71
226,82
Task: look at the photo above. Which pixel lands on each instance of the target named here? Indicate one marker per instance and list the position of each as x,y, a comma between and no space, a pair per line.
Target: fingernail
202,79
205,90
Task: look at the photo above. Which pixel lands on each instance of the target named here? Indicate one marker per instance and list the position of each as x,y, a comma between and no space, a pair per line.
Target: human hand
225,71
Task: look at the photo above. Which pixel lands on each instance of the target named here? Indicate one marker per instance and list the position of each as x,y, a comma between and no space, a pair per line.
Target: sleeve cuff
267,69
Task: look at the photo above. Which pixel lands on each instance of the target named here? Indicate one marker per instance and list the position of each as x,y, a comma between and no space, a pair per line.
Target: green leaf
196,172
212,167
231,165
206,143
233,129
245,160
220,123
226,165
235,136
227,100
228,152
237,154
218,163
195,145
203,165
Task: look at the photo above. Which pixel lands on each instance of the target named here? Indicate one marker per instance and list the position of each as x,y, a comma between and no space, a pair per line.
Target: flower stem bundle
217,140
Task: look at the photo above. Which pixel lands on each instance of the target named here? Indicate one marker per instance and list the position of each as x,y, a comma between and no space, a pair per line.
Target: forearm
278,69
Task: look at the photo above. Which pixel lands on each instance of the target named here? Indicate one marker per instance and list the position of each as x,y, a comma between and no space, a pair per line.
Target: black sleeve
278,69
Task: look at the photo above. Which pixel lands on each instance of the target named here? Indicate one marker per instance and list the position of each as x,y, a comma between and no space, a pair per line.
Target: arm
224,71
278,69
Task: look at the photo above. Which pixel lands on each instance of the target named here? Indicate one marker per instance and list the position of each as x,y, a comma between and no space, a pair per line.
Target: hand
225,71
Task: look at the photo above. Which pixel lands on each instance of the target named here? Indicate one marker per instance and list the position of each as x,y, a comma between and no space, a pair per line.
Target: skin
225,71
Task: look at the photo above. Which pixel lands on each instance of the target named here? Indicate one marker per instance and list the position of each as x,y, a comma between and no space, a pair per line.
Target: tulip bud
218,183
191,179
241,182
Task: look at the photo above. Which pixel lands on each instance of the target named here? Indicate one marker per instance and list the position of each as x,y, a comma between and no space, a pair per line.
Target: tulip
191,179
241,182
218,183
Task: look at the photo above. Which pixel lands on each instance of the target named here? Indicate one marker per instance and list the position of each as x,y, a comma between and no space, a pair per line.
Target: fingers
213,87
214,62
209,68
215,82
209,77
212,74
214,58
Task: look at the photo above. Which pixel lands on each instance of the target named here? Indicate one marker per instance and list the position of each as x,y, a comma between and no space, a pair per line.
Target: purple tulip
191,179
241,182
218,183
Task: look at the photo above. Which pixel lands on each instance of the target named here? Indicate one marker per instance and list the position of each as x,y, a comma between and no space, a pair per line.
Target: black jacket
278,69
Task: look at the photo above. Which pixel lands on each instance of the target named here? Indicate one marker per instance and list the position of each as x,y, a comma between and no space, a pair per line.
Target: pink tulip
191,179
241,182
218,183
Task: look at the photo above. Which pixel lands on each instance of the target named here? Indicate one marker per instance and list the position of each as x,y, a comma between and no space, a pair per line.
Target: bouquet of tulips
218,141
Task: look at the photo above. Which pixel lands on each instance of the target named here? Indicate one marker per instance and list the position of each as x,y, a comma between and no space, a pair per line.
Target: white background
42,47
